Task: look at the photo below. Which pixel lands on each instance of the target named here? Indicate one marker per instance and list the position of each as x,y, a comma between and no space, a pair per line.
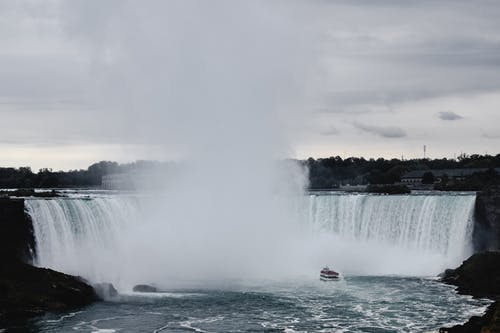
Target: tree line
24,177
334,171
324,173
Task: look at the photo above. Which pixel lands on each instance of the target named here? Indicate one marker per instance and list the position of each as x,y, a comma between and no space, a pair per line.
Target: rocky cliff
16,231
26,290
29,291
487,217
478,276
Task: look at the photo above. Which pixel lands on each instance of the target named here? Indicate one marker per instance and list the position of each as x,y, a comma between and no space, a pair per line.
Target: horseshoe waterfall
357,233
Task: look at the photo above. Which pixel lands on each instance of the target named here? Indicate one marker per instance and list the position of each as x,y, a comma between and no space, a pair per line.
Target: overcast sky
375,78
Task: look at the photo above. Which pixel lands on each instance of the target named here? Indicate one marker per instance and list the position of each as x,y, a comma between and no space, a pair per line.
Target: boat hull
328,277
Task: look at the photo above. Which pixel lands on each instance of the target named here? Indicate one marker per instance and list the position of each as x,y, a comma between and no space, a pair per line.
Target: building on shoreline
415,177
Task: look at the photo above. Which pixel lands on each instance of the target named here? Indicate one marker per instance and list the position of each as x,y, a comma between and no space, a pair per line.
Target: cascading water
403,234
356,233
78,235
440,223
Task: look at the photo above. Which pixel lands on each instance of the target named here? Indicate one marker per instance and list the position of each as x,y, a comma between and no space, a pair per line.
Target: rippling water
362,234
353,304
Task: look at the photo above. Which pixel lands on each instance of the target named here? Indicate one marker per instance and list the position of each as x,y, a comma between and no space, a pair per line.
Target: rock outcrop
105,290
16,231
26,290
488,323
145,288
29,291
487,220
478,276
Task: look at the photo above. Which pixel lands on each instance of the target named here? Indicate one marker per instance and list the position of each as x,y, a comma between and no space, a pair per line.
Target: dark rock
105,290
488,323
486,234
478,276
447,272
17,242
144,288
27,291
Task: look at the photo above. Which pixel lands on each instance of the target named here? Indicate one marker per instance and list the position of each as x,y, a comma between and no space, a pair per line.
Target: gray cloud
380,60
405,53
449,115
491,135
383,131
331,131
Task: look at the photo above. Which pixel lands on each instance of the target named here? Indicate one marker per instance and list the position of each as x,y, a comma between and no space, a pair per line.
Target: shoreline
478,276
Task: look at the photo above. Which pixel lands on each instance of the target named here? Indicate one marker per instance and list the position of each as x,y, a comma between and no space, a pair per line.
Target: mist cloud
449,115
491,135
216,81
331,131
383,131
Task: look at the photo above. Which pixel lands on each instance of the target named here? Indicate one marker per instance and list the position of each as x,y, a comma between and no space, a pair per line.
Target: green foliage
475,182
331,172
428,178
23,177
324,173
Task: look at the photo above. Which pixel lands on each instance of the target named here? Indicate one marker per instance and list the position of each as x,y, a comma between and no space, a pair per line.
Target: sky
83,81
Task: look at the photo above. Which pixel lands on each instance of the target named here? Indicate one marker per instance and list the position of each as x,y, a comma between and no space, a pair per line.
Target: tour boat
327,274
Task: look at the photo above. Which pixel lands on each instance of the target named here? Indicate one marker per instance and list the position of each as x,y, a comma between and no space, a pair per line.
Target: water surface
354,304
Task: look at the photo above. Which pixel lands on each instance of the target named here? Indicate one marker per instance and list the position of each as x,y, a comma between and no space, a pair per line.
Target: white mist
217,83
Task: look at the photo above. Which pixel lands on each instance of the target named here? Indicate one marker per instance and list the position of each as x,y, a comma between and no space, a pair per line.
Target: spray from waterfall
358,234
215,84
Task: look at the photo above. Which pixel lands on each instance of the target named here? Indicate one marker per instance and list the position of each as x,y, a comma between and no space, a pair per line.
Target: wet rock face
488,323
105,290
16,231
144,288
26,291
478,276
487,216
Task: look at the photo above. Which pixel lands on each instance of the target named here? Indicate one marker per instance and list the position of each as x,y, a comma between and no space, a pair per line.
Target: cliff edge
26,290
487,220
478,276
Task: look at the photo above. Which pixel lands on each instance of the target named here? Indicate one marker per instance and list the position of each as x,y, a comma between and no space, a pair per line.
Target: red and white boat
327,274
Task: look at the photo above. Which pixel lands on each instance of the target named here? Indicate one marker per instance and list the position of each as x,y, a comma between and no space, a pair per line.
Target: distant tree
428,178
97,170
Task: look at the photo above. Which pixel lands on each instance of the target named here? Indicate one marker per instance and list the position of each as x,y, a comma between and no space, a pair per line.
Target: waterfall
409,234
78,235
428,223
357,233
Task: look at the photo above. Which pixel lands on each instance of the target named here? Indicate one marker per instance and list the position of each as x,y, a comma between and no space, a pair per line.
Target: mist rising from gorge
216,84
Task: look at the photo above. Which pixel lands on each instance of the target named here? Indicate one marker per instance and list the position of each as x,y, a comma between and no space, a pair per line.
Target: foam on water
356,304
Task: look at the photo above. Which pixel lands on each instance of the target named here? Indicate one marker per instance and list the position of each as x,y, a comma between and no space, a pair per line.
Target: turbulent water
357,233
354,304
371,239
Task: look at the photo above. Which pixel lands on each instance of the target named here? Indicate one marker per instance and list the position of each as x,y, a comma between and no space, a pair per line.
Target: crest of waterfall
428,223
77,235
355,233
406,234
